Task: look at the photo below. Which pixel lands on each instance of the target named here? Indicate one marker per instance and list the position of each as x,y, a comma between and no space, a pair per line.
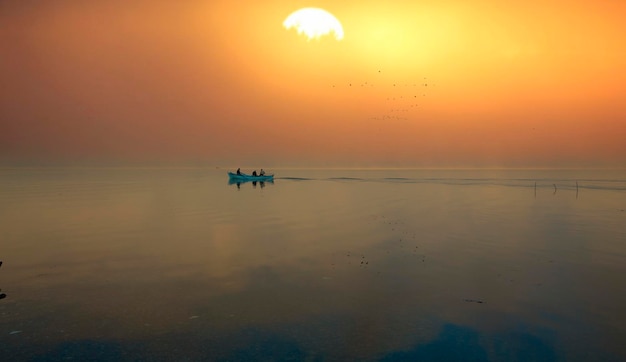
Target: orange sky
413,83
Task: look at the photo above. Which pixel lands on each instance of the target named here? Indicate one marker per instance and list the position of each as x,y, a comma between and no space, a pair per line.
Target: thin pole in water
554,189
535,189
576,189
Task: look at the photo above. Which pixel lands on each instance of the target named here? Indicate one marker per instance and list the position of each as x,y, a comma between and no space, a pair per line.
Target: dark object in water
473,301
2,295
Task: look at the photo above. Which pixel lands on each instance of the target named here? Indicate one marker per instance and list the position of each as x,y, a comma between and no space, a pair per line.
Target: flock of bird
399,98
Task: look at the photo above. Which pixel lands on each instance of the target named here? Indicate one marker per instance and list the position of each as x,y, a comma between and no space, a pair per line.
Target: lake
320,265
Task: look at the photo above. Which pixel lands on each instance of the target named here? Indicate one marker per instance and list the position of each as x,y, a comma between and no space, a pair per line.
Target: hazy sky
413,83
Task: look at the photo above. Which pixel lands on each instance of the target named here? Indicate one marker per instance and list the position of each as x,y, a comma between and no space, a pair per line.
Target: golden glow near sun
314,23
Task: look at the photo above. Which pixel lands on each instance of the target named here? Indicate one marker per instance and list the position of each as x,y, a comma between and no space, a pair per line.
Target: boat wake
566,184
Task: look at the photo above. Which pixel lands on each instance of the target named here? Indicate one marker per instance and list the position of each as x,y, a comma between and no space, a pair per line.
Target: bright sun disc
314,23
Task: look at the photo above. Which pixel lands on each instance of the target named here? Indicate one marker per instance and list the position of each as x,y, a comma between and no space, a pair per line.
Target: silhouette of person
238,171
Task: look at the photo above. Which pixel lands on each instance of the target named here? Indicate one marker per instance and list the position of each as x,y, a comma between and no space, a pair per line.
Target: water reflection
285,343
253,182
459,343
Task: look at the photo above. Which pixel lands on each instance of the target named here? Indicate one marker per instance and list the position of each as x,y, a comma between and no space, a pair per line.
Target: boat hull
244,177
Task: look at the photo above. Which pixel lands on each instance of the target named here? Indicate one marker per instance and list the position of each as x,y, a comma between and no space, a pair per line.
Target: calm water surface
339,265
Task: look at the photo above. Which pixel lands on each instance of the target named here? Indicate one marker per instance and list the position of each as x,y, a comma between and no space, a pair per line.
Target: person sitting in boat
254,173
262,172
238,171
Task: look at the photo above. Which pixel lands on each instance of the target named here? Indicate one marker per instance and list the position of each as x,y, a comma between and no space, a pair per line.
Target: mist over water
180,264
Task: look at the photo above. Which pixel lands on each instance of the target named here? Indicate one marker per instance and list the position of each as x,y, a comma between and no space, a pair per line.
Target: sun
314,23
